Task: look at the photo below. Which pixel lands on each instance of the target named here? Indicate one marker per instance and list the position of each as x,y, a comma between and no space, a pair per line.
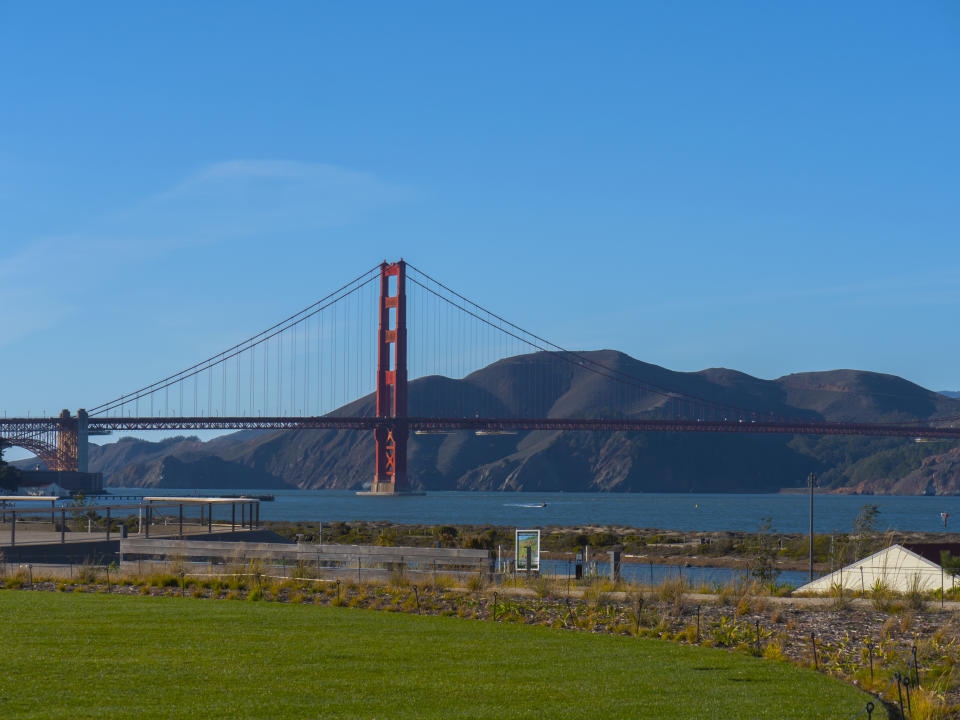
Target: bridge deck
945,428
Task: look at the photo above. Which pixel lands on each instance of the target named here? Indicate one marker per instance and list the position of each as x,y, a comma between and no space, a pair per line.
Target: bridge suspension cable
572,358
263,338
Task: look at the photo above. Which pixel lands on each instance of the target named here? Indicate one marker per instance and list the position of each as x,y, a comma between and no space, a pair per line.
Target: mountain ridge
583,461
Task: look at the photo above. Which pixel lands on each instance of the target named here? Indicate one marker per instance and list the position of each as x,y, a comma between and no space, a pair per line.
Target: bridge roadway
14,427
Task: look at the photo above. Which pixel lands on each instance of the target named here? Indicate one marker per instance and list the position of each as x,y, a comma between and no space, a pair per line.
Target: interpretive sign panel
528,539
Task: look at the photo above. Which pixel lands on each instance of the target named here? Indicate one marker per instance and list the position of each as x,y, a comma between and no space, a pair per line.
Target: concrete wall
69,480
101,552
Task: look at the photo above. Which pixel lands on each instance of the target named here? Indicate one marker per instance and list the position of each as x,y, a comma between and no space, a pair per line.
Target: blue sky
771,187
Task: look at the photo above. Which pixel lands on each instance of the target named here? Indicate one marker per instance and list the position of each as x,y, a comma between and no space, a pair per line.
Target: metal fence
359,562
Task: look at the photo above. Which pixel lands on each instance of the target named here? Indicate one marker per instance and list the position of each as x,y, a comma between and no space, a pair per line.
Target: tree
866,521
9,476
763,566
865,527
950,563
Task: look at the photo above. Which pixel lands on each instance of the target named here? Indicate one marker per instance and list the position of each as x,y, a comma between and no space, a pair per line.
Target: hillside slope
635,462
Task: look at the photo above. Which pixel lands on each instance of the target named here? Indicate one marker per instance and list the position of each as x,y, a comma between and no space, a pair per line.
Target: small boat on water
526,505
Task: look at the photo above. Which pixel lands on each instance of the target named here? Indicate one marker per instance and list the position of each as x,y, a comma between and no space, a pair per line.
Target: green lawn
84,656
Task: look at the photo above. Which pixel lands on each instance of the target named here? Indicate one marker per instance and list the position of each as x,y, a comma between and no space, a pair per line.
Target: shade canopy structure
28,498
894,568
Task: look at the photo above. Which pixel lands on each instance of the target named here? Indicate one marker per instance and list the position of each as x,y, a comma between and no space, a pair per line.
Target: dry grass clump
398,579
476,583
883,598
842,599
442,582
742,594
888,627
914,596
671,590
598,593
543,585
928,705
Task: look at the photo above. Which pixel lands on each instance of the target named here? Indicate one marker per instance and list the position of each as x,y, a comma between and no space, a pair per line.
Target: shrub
727,632
688,634
774,651
603,540
880,596
87,574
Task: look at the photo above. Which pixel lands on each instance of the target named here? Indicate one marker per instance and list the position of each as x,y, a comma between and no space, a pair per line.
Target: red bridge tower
391,431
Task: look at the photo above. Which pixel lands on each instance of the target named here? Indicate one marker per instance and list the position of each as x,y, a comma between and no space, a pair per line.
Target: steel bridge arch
43,449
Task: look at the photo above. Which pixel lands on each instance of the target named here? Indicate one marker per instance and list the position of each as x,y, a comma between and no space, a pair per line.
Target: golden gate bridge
372,338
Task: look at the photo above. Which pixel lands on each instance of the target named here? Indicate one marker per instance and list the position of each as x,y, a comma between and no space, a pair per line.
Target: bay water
685,512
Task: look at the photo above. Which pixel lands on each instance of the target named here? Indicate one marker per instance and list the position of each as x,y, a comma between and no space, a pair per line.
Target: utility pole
812,479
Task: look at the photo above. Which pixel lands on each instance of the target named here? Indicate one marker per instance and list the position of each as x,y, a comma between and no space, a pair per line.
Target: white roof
895,567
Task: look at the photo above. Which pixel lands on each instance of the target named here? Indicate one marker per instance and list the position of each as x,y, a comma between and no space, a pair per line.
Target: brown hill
634,462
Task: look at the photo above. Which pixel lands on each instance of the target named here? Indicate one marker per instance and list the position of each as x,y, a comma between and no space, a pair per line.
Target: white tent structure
43,490
894,567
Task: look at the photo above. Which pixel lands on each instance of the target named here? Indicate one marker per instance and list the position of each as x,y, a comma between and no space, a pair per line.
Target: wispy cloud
246,196
216,203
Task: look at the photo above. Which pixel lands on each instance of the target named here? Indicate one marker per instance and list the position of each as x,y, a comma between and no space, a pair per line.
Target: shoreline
639,545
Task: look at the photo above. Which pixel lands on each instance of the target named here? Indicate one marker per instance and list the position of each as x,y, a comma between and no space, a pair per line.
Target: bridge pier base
388,489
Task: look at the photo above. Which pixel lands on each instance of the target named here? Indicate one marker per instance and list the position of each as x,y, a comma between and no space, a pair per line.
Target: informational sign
528,539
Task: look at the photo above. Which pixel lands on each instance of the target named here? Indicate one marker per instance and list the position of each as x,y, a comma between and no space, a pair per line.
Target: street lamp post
812,480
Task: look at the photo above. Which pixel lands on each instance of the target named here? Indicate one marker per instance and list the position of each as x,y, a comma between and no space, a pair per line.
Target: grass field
84,656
